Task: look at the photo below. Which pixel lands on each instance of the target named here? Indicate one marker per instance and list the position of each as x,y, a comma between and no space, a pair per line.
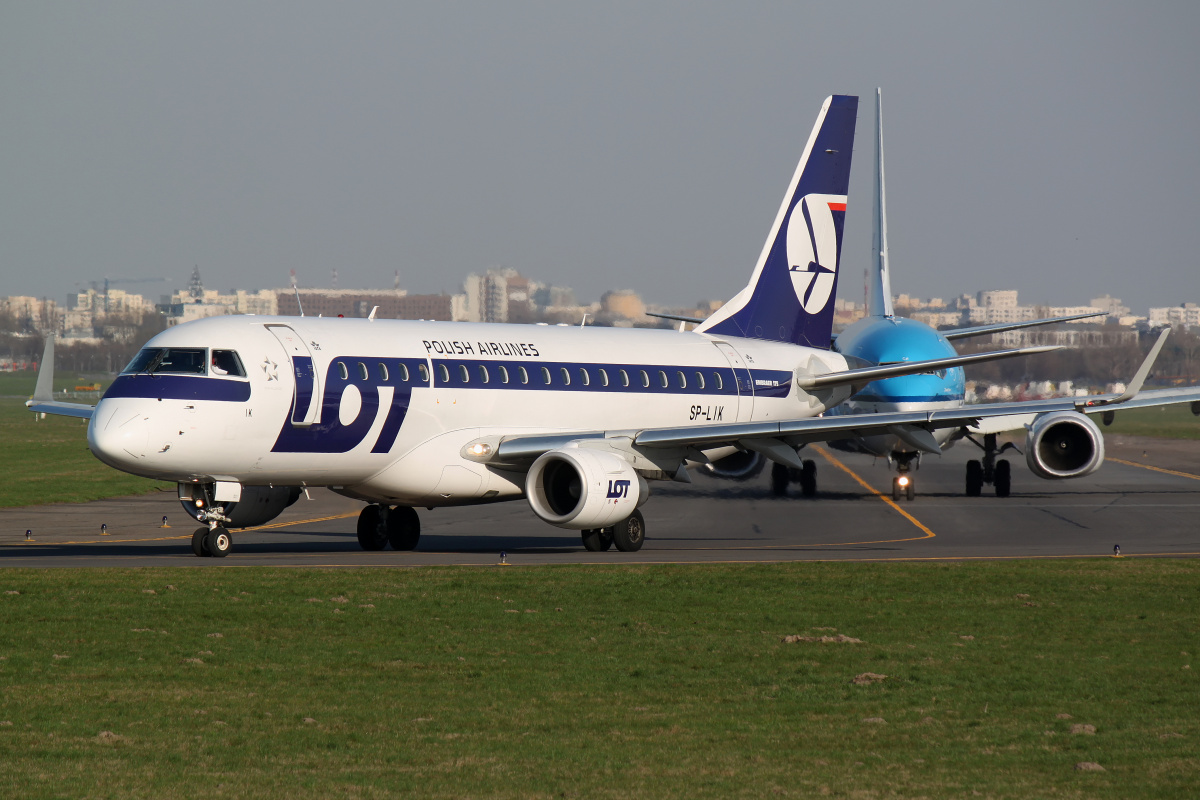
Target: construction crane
108,281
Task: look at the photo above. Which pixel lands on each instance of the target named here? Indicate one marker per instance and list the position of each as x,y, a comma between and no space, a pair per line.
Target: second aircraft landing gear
379,526
904,485
989,469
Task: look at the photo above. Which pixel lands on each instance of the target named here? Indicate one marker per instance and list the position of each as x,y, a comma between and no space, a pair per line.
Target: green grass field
1169,422
657,681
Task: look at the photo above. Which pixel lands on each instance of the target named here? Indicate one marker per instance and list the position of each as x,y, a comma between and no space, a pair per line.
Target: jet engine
741,465
583,489
256,506
1063,444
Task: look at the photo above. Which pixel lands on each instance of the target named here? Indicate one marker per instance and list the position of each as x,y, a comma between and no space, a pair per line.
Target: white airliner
246,412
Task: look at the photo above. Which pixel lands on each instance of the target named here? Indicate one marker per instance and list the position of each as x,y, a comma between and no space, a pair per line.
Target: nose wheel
212,542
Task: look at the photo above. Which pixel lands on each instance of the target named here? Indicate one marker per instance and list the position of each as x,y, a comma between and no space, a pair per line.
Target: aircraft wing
777,440
864,375
43,401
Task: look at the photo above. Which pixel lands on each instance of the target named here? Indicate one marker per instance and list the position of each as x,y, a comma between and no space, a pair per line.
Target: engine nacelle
740,465
1063,444
582,489
256,505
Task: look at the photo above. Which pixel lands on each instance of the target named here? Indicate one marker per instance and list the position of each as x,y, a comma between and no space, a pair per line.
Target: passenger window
483,374
583,376
404,371
662,379
524,374
720,383
464,373
603,377
444,373
546,375
362,371
226,362
682,380
383,372
343,373
503,373
566,376
645,378
424,372
624,378
699,379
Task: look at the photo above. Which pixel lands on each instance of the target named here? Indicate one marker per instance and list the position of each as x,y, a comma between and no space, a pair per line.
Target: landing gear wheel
198,542
910,491
895,488
218,543
372,533
630,533
403,528
779,480
808,478
597,540
974,478
1003,479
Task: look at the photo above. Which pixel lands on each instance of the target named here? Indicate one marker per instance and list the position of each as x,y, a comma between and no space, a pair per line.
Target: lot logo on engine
618,489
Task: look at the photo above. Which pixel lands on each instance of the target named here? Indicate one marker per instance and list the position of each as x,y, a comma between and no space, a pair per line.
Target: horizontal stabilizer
863,376
1000,327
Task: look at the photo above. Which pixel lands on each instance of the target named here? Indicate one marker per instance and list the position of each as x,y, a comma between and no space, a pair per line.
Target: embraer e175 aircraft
246,412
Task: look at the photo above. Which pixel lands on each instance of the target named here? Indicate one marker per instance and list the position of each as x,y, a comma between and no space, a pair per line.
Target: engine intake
740,465
582,489
1063,444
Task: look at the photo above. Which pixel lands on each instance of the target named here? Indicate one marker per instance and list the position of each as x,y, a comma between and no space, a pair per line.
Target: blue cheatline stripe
588,377
180,387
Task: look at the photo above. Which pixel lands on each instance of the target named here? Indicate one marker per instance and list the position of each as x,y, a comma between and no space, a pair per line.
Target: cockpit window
226,362
170,360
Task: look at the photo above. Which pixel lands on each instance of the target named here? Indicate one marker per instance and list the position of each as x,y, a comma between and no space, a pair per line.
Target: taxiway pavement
1146,498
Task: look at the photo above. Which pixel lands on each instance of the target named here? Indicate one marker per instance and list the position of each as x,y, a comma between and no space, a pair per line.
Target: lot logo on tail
812,249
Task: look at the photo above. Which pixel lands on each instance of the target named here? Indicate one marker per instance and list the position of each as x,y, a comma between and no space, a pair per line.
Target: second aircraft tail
791,293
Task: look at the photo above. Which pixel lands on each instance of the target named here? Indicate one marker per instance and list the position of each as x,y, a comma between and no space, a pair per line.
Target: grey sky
1047,147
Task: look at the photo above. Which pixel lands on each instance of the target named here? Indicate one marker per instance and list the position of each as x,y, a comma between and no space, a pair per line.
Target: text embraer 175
243,412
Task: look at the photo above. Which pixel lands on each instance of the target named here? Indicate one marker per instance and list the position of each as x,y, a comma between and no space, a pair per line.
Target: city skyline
629,145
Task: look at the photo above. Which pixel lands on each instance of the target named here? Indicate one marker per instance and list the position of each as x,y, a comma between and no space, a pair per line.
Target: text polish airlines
244,412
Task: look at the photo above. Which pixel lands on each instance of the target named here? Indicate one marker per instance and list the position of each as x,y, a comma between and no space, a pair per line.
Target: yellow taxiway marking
928,533
1156,469
109,540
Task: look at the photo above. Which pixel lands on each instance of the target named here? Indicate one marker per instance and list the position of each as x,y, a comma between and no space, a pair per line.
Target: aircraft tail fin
791,292
879,298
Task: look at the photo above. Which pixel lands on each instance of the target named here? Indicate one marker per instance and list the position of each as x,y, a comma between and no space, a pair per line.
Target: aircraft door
307,405
745,384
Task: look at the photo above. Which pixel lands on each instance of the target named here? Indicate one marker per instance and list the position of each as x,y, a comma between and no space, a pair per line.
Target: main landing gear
628,535
215,542
806,476
379,526
989,469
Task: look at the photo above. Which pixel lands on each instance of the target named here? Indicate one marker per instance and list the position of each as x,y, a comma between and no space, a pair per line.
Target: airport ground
1145,498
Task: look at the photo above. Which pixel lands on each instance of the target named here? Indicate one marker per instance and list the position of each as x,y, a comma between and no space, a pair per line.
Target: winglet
1139,377
44,390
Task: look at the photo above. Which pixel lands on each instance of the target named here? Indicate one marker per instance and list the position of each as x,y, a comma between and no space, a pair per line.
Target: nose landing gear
214,542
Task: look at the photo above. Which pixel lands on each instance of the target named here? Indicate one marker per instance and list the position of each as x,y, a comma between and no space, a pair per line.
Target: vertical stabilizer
791,292
879,294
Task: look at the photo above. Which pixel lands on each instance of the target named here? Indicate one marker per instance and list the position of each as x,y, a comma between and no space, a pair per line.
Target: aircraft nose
119,436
